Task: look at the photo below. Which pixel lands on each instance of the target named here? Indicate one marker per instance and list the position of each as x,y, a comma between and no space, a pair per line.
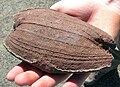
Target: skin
99,14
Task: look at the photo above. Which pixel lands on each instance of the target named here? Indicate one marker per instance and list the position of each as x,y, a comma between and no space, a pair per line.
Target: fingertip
70,84
27,78
20,80
14,72
44,81
56,6
24,79
10,76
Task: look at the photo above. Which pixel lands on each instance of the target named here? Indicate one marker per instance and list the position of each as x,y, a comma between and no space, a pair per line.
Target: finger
76,80
23,77
81,9
28,77
15,71
50,80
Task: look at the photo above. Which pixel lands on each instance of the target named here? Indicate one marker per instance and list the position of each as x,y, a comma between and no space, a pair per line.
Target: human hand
97,14
104,14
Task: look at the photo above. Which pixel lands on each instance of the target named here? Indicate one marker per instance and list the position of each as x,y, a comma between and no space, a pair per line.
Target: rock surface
44,37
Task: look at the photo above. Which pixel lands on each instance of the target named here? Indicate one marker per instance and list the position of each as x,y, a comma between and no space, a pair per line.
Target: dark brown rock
57,43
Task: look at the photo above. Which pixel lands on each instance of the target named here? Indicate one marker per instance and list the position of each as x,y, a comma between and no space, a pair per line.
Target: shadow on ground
111,79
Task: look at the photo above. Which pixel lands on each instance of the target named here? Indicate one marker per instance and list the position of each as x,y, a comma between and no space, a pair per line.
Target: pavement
10,7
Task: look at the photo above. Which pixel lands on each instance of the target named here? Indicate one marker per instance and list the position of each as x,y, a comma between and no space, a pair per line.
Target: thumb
81,9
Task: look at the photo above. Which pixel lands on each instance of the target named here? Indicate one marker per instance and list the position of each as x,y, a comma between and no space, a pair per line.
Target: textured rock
57,43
